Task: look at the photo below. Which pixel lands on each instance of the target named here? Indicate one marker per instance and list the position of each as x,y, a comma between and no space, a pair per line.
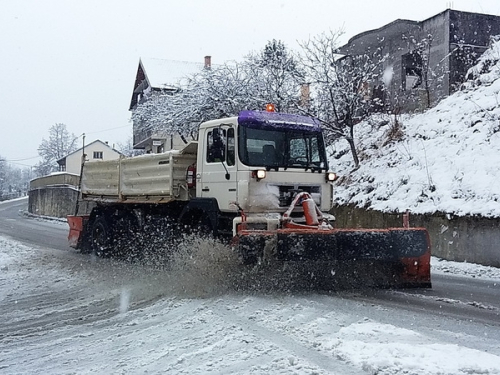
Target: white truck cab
260,160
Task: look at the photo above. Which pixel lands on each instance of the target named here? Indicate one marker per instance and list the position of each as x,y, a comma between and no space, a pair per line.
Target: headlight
330,177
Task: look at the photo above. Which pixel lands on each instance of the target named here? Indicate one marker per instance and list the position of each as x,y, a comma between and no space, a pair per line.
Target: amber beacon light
270,107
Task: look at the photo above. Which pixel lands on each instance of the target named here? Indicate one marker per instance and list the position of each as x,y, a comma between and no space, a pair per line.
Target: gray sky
74,61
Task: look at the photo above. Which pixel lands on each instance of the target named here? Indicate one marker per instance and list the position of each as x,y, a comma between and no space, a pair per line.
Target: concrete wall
56,201
462,239
58,178
55,195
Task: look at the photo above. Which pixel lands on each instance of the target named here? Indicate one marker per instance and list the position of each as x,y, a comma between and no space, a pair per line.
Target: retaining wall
55,201
463,239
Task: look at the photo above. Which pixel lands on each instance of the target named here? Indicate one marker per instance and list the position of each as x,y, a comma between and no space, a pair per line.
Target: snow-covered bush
487,69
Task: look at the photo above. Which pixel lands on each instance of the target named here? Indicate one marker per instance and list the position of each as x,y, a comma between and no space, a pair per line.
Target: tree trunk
354,153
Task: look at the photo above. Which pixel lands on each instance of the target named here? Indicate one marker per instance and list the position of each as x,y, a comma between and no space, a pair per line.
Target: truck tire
101,237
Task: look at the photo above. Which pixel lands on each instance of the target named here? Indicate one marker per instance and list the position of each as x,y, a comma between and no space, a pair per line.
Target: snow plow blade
394,257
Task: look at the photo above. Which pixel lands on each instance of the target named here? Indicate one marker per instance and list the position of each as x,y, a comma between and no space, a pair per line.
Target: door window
221,146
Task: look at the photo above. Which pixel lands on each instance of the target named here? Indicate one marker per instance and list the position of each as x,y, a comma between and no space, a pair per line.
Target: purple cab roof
261,119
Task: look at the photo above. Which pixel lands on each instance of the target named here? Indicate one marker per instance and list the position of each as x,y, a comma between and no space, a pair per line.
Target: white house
94,151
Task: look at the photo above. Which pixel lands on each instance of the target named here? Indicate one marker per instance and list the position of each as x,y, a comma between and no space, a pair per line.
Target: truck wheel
102,240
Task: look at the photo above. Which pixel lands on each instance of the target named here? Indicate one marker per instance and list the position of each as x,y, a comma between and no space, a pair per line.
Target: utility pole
80,179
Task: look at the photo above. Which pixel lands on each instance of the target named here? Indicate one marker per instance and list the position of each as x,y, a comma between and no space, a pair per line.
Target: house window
412,65
97,154
379,98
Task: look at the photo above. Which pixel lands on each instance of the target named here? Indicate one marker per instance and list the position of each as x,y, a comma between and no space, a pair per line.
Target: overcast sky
74,61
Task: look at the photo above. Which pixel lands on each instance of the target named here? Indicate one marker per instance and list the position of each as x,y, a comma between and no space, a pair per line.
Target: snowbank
444,160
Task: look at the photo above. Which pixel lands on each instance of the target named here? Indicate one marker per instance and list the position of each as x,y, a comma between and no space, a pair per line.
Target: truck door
218,179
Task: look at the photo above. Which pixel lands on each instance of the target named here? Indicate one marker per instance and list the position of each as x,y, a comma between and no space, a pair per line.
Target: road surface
63,312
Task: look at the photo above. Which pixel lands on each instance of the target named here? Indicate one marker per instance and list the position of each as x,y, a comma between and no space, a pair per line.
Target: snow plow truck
261,180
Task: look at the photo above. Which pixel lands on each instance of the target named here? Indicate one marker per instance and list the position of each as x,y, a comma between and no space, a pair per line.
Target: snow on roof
163,73
87,145
443,160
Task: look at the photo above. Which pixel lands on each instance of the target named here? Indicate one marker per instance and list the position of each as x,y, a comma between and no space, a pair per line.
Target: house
162,76
94,151
423,61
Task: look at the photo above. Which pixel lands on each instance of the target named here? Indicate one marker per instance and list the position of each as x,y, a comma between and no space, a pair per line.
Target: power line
105,130
14,160
24,165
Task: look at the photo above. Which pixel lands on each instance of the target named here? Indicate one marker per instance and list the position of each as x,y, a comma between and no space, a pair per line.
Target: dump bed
142,179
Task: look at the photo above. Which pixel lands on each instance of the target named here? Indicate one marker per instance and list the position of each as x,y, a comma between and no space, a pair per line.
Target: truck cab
258,161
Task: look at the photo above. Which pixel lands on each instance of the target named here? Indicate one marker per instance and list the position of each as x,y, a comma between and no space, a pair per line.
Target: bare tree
341,85
59,144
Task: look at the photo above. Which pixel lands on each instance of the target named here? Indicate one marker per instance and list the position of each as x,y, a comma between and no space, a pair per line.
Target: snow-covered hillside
444,160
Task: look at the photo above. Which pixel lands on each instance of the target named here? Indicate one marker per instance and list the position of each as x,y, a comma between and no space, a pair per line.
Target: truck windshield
281,147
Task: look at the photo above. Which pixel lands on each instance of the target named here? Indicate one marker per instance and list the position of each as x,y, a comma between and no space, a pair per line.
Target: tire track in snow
445,327
309,354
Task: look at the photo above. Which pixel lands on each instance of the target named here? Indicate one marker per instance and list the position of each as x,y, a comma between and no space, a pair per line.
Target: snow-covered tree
13,180
487,68
59,144
127,148
276,76
3,174
341,86
271,76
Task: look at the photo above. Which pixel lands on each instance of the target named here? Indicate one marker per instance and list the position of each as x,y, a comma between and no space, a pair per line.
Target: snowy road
64,312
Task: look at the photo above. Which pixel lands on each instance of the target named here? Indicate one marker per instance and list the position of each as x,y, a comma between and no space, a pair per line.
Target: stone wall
55,201
463,239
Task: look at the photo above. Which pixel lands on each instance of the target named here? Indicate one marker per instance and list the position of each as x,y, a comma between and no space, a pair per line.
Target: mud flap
76,225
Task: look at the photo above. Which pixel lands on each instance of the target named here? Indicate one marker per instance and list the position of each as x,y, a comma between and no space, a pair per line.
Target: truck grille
287,192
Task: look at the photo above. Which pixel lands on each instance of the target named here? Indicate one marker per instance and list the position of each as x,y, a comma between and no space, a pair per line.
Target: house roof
381,29
91,143
161,74
397,22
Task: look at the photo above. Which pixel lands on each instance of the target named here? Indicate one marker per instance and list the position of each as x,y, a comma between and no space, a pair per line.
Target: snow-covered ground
68,313
444,160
